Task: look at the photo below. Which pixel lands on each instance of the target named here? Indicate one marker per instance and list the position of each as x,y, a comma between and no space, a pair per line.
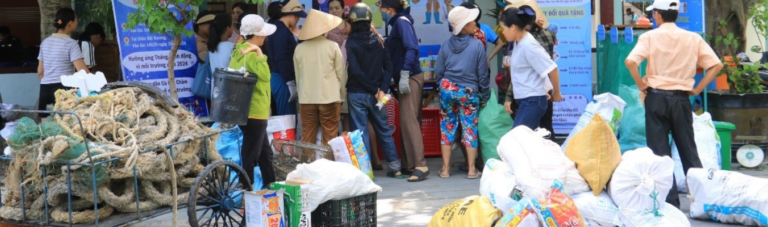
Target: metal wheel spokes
218,197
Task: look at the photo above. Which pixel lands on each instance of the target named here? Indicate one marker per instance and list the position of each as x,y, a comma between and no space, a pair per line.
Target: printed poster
144,57
573,54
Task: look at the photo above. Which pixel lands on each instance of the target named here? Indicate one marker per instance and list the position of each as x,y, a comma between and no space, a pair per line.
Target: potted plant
745,102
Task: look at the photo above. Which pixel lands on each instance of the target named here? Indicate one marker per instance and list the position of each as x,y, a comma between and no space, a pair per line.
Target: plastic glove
404,87
292,90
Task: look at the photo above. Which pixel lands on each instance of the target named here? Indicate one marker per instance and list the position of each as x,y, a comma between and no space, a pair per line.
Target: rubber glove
404,87
292,90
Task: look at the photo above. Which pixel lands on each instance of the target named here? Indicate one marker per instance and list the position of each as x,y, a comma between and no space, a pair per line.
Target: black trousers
47,97
665,112
256,150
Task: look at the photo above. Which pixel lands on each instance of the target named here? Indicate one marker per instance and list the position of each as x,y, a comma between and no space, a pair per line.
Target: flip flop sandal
475,176
420,175
393,175
446,176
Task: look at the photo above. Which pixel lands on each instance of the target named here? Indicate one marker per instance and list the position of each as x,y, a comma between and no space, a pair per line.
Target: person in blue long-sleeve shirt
280,47
403,47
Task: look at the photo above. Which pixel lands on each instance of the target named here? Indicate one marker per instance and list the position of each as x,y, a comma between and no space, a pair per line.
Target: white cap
460,17
664,5
255,25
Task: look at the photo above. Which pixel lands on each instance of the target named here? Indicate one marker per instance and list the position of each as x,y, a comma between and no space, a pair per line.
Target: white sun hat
460,17
253,24
664,5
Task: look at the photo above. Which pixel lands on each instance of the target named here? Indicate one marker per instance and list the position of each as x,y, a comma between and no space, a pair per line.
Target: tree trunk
736,13
172,66
48,10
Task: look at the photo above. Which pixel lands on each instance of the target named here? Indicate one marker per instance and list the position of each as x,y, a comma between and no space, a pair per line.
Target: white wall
753,39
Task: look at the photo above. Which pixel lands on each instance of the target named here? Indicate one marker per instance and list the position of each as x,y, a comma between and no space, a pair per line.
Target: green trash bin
724,132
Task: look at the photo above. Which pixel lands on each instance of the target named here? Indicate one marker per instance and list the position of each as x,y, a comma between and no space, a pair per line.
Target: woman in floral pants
462,71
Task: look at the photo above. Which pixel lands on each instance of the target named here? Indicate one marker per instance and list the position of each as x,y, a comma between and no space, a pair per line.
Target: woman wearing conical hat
320,73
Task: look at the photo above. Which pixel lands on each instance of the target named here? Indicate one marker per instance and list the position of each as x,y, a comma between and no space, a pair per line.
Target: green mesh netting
611,72
27,130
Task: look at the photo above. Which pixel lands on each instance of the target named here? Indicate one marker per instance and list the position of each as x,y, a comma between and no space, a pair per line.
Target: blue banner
573,54
144,57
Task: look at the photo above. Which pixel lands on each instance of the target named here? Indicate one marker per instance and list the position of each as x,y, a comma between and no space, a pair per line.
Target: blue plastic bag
229,145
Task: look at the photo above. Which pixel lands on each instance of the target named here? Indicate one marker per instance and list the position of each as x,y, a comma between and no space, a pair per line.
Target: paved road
404,204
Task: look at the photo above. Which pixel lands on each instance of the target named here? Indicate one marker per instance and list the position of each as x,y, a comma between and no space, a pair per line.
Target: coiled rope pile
119,123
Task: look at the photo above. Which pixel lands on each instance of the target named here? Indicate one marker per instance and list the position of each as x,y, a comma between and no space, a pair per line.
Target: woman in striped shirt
59,55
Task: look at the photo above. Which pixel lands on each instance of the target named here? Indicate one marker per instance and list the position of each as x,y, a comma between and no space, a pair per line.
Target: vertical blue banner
573,54
691,15
144,57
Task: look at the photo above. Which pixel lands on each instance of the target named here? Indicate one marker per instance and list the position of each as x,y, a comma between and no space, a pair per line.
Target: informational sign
573,54
144,57
691,15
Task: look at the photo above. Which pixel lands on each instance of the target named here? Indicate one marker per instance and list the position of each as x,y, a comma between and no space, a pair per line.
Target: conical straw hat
533,4
317,24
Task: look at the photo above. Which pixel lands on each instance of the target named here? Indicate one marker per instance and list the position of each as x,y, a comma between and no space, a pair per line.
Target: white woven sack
728,197
536,162
642,181
667,215
497,184
597,210
707,144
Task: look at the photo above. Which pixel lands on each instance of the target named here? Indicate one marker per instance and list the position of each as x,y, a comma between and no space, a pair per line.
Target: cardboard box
296,202
264,208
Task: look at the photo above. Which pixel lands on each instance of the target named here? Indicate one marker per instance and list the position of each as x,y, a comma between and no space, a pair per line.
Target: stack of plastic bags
350,148
608,106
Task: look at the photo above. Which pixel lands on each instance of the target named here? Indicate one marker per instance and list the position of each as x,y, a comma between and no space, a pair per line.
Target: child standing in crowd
370,71
403,47
462,73
219,48
280,47
89,40
320,74
59,55
250,56
529,64
672,54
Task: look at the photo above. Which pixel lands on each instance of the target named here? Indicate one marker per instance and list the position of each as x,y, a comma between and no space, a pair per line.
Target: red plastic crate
393,121
430,131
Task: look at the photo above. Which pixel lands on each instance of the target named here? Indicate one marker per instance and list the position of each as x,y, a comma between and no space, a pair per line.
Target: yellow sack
596,153
473,211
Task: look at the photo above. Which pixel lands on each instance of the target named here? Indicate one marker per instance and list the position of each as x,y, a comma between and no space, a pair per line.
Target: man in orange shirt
673,55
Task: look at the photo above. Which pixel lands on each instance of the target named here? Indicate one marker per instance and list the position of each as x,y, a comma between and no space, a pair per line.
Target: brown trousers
410,123
316,117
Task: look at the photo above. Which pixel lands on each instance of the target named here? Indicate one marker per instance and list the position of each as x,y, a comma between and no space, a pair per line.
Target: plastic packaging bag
632,130
496,122
362,153
667,215
558,210
707,144
281,127
728,197
341,151
472,211
351,151
642,181
608,106
536,162
596,153
598,210
521,214
497,183
333,181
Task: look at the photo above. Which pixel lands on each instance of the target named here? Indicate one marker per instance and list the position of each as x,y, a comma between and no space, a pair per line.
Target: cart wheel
216,198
